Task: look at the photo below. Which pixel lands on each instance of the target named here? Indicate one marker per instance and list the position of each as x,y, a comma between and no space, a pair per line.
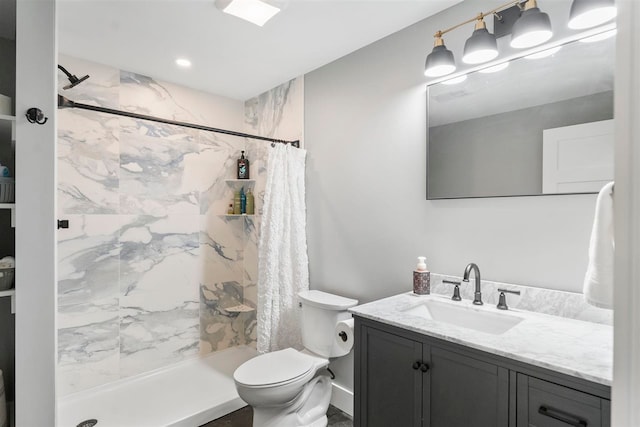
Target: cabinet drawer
550,405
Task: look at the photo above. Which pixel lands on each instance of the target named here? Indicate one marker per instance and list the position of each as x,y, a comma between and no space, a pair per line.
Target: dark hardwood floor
244,418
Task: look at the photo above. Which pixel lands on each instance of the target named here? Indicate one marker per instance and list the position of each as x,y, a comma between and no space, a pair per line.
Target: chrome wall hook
35,115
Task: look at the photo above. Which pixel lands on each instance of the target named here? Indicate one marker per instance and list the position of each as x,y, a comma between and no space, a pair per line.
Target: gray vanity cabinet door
466,392
545,404
390,385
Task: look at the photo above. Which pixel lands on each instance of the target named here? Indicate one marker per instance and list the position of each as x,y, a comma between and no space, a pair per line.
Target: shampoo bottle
237,206
421,278
243,202
250,203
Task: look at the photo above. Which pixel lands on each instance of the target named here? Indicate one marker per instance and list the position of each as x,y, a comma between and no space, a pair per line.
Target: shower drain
87,423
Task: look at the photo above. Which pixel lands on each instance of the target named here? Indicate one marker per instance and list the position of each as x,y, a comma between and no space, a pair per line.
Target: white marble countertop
573,347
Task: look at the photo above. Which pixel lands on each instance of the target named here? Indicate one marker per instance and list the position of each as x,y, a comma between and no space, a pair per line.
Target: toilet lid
273,368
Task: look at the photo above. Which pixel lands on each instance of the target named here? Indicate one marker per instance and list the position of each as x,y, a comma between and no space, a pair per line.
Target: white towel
598,281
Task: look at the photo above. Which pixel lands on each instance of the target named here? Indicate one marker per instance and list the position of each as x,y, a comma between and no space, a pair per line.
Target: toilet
288,388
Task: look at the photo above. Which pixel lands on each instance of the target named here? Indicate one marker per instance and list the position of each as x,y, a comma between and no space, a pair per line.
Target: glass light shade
439,62
531,29
480,47
591,13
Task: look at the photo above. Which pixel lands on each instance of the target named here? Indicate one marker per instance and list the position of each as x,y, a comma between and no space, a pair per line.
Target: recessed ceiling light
183,62
255,11
544,53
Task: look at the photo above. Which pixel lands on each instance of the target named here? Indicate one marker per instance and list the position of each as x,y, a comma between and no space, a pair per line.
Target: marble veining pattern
539,300
88,146
151,271
88,259
572,347
88,344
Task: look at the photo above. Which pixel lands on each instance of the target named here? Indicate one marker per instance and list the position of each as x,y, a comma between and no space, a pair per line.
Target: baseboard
342,398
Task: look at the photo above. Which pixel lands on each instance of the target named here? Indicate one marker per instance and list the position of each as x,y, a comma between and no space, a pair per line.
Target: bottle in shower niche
421,278
237,203
243,202
243,167
250,203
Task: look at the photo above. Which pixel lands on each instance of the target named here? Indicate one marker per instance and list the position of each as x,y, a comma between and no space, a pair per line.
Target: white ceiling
230,57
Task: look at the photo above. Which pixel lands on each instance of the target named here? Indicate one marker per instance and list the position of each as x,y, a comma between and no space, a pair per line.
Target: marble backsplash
540,300
151,271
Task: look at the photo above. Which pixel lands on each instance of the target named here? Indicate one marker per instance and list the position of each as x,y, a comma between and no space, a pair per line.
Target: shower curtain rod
67,103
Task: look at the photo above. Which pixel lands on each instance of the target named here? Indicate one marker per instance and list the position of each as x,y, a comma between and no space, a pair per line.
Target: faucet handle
456,289
502,300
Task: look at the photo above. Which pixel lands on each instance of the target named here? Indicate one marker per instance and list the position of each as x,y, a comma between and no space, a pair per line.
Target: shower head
74,80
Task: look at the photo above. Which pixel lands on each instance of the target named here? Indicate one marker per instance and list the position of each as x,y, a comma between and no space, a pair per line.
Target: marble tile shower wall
278,113
150,271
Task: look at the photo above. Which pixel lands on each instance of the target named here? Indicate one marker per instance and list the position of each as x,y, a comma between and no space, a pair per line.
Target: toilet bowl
289,388
279,385
276,378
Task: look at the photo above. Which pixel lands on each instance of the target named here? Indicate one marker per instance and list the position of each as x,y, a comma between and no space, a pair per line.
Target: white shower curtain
283,265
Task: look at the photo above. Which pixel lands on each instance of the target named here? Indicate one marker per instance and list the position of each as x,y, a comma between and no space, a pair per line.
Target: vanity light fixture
481,46
257,12
590,13
529,27
440,61
532,28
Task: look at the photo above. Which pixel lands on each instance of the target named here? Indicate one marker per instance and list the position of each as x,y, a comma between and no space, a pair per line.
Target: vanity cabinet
410,382
408,379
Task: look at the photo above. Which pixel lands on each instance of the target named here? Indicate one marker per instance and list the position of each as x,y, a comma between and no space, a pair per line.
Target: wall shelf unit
10,293
236,184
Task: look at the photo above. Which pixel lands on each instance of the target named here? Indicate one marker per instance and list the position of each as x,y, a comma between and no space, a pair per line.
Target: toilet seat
274,369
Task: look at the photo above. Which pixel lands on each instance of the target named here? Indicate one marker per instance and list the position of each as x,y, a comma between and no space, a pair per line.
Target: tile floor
244,418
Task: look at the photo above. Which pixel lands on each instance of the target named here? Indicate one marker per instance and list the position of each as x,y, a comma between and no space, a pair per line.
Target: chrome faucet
477,296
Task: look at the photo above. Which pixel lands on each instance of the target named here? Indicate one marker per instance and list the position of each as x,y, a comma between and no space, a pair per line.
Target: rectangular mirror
538,125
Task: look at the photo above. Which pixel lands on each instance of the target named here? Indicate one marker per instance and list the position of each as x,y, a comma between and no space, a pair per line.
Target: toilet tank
321,312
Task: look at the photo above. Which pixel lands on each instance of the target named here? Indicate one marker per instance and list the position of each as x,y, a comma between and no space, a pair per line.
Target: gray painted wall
501,154
367,217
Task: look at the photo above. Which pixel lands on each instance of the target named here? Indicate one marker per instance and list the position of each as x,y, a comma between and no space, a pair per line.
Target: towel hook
35,115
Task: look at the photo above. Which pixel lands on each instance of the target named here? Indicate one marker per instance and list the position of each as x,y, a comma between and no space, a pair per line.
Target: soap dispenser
421,278
243,167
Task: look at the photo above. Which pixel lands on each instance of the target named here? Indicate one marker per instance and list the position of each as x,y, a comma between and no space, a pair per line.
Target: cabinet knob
416,365
424,367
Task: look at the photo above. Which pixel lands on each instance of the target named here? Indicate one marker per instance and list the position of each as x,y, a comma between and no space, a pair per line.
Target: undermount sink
476,318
